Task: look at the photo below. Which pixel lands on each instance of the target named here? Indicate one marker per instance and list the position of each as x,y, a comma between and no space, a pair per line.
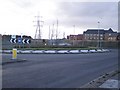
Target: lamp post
74,35
98,34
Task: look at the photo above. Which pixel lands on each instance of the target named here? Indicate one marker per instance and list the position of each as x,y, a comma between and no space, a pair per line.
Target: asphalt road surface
57,70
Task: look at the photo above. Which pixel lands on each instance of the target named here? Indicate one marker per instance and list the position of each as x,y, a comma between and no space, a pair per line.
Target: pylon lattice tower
38,27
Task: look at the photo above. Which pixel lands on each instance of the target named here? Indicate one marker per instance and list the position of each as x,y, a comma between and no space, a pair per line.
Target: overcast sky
18,16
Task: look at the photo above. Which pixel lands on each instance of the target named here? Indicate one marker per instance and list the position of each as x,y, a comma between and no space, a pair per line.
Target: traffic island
52,51
13,61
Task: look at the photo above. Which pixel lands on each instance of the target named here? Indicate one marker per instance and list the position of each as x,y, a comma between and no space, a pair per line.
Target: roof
110,31
101,31
94,31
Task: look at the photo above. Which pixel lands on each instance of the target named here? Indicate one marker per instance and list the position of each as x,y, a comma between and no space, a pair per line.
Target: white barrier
56,51
38,51
84,51
50,51
92,51
0,51
7,51
62,51
105,50
19,51
99,50
26,51
74,51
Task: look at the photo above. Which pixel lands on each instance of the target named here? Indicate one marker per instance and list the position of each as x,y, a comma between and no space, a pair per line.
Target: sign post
19,41
14,53
13,36
14,50
13,40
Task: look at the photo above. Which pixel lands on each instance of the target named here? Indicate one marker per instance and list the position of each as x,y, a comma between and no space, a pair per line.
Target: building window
109,34
101,34
90,34
101,38
114,38
94,37
109,38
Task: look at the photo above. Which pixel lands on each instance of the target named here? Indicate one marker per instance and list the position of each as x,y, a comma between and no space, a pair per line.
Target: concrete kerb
13,61
57,51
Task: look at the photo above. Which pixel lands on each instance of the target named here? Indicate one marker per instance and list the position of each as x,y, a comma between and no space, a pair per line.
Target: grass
59,48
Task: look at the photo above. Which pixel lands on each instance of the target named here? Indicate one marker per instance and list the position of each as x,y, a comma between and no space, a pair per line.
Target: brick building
75,37
100,34
110,35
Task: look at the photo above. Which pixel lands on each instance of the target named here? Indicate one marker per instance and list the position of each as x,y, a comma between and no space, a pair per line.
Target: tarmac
108,80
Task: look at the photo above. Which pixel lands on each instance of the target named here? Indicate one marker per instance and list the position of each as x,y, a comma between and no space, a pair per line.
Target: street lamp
98,34
74,35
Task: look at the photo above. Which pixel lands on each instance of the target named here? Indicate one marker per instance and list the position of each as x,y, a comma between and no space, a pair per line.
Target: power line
38,27
49,33
57,30
52,34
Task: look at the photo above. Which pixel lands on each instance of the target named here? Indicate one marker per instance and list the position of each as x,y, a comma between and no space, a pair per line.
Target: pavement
57,70
113,82
104,81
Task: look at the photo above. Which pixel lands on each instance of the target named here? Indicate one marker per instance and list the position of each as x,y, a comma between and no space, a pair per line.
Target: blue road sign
20,40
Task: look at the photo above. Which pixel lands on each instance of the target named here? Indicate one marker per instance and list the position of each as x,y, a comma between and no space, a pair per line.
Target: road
57,70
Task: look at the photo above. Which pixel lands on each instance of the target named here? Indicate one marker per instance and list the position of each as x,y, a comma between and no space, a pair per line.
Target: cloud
76,9
23,3
87,14
18,15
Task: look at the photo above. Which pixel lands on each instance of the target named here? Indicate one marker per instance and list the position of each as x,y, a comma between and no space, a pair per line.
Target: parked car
64,44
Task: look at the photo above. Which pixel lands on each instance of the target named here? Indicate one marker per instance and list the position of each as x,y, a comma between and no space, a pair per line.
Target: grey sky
17,16
88,13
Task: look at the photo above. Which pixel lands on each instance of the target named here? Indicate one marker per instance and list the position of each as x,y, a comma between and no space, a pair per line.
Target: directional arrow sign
13,40
26,41
23,41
